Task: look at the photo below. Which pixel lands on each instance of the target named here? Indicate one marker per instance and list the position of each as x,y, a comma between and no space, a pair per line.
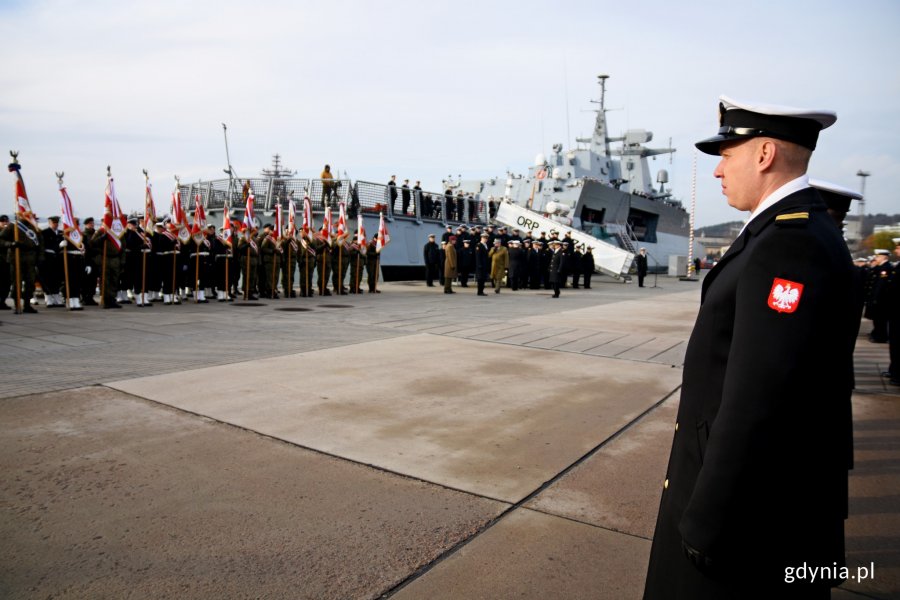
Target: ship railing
421,206
218,193
360,196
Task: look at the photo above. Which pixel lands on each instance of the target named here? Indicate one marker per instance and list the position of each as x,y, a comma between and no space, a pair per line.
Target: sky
425,90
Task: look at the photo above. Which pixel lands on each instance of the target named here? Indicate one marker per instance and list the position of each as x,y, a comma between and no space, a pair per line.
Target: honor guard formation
142,260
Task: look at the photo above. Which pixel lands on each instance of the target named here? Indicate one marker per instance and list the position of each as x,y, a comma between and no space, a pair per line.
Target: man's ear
766,152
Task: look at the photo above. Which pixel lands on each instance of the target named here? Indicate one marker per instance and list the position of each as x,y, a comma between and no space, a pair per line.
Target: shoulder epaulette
792,219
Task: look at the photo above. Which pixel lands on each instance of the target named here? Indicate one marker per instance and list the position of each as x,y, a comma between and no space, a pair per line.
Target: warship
603,196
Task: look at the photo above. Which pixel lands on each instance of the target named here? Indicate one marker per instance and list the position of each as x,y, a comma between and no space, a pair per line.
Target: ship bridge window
643,224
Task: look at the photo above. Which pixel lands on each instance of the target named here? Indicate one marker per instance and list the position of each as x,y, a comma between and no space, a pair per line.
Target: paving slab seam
614,357
302,447
594,525
521,503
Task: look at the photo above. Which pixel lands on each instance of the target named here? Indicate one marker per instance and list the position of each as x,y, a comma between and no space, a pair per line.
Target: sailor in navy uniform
837,199
757,477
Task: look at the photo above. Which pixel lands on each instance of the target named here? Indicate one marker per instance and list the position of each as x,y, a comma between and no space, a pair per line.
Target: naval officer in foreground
756,485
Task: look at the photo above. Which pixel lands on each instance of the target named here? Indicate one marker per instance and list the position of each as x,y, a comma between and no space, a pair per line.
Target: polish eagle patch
785,295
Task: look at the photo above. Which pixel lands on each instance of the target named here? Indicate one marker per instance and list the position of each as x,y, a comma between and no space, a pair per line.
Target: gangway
608,259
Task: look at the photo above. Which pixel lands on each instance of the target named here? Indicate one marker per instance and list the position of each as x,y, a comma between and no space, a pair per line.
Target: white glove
87,270
63,244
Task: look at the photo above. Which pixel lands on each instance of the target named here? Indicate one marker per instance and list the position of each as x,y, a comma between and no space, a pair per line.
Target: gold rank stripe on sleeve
792,216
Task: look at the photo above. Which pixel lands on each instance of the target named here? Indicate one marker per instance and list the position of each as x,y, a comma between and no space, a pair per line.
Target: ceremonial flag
342,220
199,221
292,219
227,230
327,225
279,222
383,237
70,230
361,234
342,235
179,219
307,219
23,207
249,217
149,210
113,218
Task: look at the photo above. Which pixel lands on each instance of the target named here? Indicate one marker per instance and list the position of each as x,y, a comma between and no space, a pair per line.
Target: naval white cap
836,197
896,241
882,251
739,120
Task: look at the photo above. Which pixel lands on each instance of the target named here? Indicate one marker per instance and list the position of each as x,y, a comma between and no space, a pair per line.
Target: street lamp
862,201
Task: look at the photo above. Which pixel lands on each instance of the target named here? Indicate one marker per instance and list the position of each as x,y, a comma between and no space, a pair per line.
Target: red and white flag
342,220
307,219
227,231
70,229
199,225
292,219
249,216
113,218
23,207
343,236
179,219
361,234
149,210
327,226
279,223
383,238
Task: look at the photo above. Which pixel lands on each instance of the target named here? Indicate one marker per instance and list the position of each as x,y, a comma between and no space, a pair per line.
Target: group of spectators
881,295
506,259
459,207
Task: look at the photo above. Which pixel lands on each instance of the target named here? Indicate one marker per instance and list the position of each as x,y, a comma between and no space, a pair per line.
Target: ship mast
600,139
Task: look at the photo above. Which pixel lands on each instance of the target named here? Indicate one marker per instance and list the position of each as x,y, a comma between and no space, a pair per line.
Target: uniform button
676,426
666,484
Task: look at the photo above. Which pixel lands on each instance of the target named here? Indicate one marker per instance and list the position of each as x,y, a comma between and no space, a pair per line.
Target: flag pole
175,269
377,267
247,274
289,282
144,254
272,292
197,276
103,275
59,176
323,273
15,166
356,274
340,289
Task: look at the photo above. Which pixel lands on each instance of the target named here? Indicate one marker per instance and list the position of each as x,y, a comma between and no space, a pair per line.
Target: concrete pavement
407,444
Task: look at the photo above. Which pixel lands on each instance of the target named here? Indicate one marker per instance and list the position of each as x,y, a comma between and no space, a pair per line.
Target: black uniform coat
757,476
482,262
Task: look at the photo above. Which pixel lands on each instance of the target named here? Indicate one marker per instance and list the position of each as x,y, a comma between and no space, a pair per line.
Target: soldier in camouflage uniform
248,279
357,262
372,267
340,256
306,265
290,248
269,255
323,265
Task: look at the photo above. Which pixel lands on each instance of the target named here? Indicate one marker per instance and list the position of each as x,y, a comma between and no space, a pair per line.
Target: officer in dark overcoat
756,483
482,263
432,256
